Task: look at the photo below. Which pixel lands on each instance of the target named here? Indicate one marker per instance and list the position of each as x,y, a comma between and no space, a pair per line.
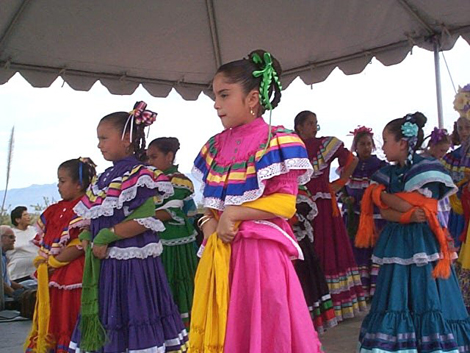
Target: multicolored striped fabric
235,182
457,162
326,151
100,200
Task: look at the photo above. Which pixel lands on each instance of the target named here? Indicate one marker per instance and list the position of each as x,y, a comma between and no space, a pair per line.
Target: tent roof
180,43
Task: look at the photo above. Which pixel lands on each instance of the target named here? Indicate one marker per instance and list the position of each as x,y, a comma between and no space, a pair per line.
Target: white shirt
21,257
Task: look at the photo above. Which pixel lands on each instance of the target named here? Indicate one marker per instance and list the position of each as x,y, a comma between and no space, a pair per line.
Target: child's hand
100,251
418,216
85,244
209,228
226,230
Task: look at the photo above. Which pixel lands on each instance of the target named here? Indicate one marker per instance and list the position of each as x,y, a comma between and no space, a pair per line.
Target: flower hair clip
361,129
409,129
462,101
437,135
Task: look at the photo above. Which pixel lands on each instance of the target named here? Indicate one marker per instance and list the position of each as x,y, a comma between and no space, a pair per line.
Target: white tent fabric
180,43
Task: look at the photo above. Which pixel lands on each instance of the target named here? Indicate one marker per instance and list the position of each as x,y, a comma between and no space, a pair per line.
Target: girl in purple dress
126,301
363,145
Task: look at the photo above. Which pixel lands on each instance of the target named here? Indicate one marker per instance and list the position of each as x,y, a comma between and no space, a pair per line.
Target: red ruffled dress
332,243
57,227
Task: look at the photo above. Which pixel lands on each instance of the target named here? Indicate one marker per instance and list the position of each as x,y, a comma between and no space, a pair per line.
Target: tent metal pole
437,71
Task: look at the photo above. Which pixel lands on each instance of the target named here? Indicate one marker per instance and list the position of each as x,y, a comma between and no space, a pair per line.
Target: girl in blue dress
417,306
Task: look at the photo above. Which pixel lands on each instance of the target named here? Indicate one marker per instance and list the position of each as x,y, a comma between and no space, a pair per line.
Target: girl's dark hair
81,170
360,135
166,145
301,118
455,135
241,71
394,127
119,120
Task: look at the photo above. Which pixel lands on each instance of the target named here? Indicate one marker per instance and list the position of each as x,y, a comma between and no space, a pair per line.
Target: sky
57,123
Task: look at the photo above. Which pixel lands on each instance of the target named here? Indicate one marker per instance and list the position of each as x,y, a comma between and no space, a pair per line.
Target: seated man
20,259
11,288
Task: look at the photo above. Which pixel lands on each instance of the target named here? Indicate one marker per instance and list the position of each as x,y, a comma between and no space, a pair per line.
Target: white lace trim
176,220
200,250
178,341
300,254
149,250
418,259
151,223
314,210
180,241
106,208
171,204
66,287
425,192
321,195
300,233
269,172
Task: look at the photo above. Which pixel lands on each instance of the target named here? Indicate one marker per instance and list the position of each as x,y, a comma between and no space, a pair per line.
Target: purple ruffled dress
135,301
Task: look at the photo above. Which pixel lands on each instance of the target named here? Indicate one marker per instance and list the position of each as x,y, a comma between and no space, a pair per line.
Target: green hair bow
268,74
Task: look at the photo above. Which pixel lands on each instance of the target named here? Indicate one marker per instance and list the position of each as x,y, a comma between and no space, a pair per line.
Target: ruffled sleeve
127,191
245,180
428,176
330,147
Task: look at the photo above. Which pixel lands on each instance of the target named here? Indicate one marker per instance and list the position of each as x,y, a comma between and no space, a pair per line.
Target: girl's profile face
232,104
309,128
439,150
364,146
110,143
463,129
68,188
158,159
395,151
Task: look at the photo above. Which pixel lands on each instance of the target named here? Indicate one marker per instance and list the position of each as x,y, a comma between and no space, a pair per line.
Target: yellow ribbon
212,292
42,311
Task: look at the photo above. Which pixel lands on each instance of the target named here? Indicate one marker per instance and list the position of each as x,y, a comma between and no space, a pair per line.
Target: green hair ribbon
268,74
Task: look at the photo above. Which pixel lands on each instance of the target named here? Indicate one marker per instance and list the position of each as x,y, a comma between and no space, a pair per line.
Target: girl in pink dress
244,164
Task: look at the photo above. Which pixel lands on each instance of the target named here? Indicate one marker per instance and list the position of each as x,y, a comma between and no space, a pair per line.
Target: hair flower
409,129
462,101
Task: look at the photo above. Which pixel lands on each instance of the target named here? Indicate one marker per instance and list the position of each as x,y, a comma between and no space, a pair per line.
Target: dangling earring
252,112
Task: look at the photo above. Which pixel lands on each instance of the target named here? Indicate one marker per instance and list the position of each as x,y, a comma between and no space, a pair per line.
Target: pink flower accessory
141,116
361,129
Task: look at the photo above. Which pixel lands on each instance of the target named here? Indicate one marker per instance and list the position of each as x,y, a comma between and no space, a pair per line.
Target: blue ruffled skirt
411,311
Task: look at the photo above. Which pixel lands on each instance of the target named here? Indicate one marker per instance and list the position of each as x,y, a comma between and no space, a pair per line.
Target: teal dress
411,311
179,243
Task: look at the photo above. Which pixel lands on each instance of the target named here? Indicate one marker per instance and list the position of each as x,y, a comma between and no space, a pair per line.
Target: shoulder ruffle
429,170
101,202
328,147
242,181
183,184
456,164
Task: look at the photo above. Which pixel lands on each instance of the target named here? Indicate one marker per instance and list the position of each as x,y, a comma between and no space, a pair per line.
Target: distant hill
31,196
38,195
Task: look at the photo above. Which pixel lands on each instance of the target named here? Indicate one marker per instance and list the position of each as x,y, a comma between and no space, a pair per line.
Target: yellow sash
42,311
211,292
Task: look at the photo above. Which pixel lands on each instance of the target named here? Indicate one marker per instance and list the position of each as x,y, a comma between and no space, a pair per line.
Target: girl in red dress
60,262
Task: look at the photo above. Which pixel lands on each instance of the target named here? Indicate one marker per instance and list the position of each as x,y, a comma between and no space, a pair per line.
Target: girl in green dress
179,238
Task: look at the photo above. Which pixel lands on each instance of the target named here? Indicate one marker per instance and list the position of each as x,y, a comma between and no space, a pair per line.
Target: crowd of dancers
283,253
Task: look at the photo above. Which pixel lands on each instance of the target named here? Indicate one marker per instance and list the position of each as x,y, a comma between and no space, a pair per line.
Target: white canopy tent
179,44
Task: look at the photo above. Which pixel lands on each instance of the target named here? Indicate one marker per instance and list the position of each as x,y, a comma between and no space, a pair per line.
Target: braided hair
81,170
248,72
